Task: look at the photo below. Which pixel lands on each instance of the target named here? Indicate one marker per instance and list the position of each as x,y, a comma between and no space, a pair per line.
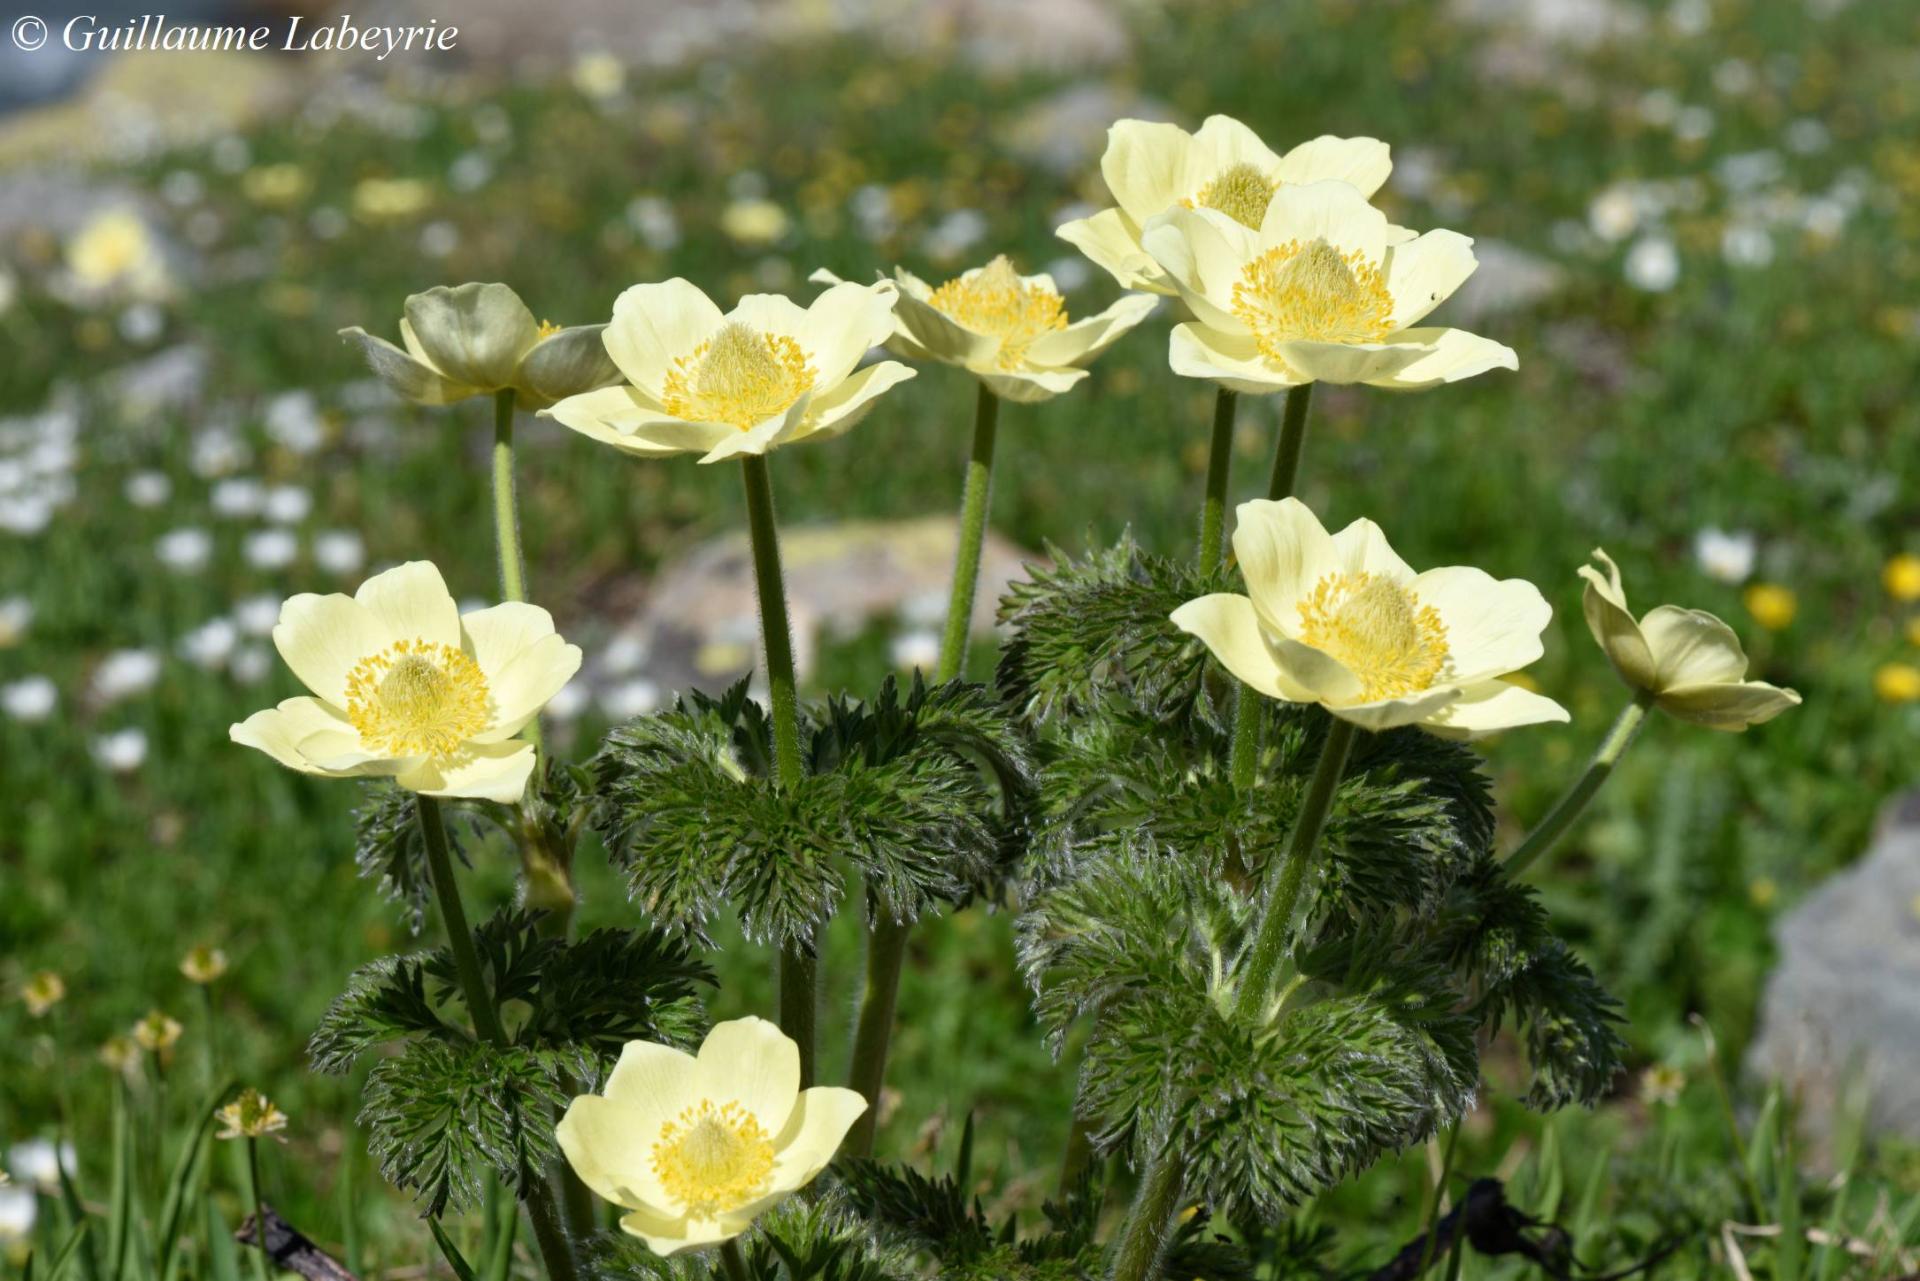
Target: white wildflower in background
210,644
38,1162
294,422
651,218
599,75
1653,264
1693,124
438,239
30,699
1745,245
470,171
238,498
955,234
623,654
270,549
16,616
124,673
218,451
569,703
339,551
142,324
1807,136
287,504
257,615
1723,555
148,488
919,648
628,699
19,1211
184,550
250,664
1614,214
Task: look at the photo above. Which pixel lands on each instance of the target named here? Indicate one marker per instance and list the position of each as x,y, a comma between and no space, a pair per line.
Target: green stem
1286,470
1568,809
973,533
1436,1196
886,955
731,1259
799,975
1143,1238
1293,435
506,510
555,1248
1213,511
1289,878
260,1257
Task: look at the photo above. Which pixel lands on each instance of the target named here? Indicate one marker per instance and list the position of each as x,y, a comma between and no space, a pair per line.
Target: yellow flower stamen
712,1159
1312,292
1378,631
418,698
1241,192
739,376
548,329
996,302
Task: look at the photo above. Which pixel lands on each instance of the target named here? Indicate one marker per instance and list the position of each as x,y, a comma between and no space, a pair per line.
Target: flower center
1241,192
1312,292
739,376
418,698
1378,631
996,302
713,1159
548,329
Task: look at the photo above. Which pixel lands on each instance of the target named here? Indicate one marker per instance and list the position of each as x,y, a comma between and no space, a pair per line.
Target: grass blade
185,1171
450,1251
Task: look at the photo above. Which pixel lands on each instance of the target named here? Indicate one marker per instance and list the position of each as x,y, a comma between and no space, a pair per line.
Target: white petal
1423,273
474,333
412,602
667,1236
1728,707
940,335
655,325
281,732
527,683
406,375
845,323
1362,163
1490,707
1493,625
753,1063
322,638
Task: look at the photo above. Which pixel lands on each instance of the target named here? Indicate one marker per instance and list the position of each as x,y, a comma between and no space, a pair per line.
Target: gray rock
1841,1016
1508,279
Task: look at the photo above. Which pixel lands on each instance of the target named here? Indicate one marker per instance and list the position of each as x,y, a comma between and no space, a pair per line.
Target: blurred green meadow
1700,232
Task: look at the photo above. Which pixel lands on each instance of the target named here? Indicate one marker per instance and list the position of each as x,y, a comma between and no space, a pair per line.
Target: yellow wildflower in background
1152,167
390,199
157,1033
1662,1084
1901,577
599,74
114,252
1688,660
251,1115
121,1053
696,1148
407,687
1008,330
1771,605
478,339
203,964
1340,620
276,186
1913,631
1897,683
754,223
766,374
1320,291
42,991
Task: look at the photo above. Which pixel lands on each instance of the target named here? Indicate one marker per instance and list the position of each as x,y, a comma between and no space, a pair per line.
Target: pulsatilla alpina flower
157,1032
1340,620
695,1148
203,964
42,992
475,340
406,686
766,374
1152,167
1320,291
1010,331
1688,661
251,1115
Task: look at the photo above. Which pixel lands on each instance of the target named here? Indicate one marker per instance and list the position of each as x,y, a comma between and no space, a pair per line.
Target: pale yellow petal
620,416
1331,211
573,361
655,325
1362,548
412,602
1144,166
1453,354
524,661
1728,707
322,638
607,1142
1334,362
1219,144
1491,706
1227,625
813,1134
654,1079
1390,713
1083,340
1233,361
474,334
1493,625
1030,386
940,336
1361,163
1692,647
1423,273
406,376
1203,252
840,410
1604,602
480,771
667,1236
1111,241
753,1063
281,731
1283,551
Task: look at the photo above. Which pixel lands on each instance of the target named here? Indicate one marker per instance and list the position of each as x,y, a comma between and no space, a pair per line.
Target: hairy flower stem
555,1249
799,977
1286,469
1213,511
1568,809
1289,878
887,943
506,523
1143,1238
1436,1198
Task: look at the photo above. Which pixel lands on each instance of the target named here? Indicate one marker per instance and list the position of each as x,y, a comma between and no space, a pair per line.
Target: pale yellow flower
157,1032
1771,605
1662,1083
1897,683
390,199
203,964
1688,660
1902,577
695,1148
754,222
121,1053
475,340
1321,291
766,374
1152,167
251,1115
278,185
42,991
1340,620
1012,332
115,253
409,688
599,74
